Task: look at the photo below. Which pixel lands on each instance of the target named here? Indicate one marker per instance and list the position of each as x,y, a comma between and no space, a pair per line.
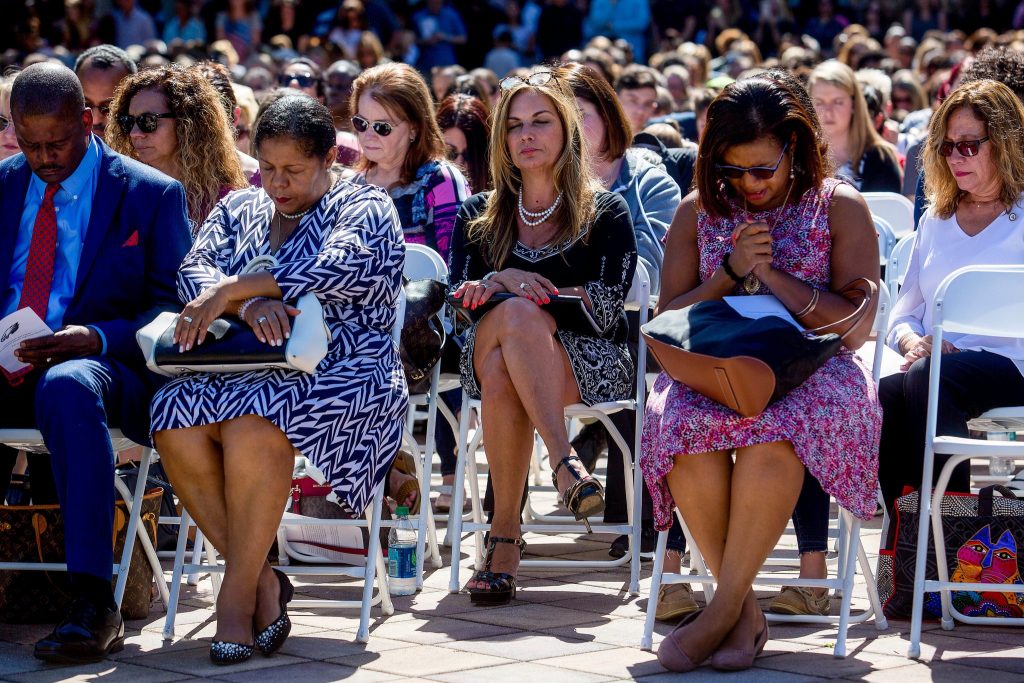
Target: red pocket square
132,241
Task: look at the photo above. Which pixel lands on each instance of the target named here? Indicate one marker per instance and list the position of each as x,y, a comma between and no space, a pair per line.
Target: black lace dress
602,260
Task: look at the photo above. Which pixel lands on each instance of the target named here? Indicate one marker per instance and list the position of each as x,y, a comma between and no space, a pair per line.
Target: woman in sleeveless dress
764,219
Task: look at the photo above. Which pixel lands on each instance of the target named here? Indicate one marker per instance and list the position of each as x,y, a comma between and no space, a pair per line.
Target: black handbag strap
858,315
986,495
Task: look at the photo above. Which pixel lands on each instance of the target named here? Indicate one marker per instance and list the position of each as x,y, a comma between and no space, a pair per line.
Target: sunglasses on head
536,78
759,172
967,148
5,123
381,128
147,121
303,80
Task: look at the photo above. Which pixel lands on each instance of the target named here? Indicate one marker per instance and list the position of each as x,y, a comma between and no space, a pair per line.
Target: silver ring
261,319
187,319
49,360
522,285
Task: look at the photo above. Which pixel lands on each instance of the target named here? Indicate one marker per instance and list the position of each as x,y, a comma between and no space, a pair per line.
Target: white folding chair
894,208
31,440
886,239
372,569
899,264
956,309
637,299
851,549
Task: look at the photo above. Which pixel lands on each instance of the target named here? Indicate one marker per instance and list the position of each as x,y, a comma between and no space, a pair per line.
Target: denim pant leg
810,517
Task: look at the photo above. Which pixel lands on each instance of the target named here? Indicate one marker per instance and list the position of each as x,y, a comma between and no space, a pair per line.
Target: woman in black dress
546,229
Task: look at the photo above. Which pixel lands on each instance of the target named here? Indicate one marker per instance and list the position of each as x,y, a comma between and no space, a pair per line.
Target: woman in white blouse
974,166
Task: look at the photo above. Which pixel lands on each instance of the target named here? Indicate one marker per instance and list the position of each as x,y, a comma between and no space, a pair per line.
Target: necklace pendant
751,284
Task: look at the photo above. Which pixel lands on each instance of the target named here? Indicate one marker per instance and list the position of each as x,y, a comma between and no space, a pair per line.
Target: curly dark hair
749,110
1000,64
206,145
469,115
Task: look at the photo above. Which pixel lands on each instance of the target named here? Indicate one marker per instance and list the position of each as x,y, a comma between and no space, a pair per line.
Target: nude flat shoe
670,655
738,659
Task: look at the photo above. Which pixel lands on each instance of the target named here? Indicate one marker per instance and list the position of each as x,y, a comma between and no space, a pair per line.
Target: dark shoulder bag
423,334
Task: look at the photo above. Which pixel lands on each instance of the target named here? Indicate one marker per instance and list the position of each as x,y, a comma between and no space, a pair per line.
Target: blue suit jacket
137,237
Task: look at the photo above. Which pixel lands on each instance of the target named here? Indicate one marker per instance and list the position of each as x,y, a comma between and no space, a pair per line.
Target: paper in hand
17,327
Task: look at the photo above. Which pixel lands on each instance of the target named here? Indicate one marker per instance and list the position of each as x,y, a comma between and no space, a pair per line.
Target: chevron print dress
348,417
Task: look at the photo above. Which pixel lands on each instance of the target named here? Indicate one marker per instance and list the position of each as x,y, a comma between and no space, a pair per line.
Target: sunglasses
536,78
5,123
759,172
381,128
304,80
454,154
967,148
147,121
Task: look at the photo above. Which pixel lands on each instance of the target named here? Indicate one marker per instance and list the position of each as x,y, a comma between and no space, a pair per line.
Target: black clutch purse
569,312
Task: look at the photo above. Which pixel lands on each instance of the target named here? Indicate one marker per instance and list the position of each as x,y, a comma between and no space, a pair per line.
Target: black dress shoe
89,633
648,544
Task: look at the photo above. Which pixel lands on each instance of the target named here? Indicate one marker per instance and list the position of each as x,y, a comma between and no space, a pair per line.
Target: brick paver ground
566,626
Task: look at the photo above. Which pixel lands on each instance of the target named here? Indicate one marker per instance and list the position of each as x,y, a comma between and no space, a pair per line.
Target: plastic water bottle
1001,467
402,555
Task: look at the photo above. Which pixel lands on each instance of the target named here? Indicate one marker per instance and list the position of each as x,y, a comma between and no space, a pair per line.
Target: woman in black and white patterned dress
228,440
546,229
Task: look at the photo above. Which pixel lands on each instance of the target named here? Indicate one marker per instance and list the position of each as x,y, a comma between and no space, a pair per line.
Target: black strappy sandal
585,497
501,587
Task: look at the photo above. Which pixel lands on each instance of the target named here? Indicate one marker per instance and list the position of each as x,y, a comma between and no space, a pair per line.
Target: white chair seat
958,445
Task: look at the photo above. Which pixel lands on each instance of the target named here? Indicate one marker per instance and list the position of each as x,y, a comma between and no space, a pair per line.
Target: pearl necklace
535,218
293,216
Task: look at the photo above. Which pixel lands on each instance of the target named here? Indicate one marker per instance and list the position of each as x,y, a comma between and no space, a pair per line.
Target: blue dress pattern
347,418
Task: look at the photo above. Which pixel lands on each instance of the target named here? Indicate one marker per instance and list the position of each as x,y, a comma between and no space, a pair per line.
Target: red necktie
42,255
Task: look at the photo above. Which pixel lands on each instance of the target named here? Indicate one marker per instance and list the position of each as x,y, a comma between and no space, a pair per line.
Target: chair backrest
893,207
886,239
639,296
982,300
899,263
396,331
880,328
422,262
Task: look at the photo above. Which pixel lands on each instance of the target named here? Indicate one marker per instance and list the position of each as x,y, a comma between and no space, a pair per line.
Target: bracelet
489,275
245,306
728,269
810,304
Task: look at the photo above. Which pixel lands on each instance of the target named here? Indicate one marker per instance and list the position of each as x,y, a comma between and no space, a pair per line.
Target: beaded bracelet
729,271
246,304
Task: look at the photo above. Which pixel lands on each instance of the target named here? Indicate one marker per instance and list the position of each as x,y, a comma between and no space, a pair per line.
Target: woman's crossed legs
233,477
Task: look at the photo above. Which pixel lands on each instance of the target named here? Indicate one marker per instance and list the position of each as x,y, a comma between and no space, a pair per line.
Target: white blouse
940,248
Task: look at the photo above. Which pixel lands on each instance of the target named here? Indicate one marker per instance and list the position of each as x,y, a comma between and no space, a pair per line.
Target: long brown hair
401,90
746,111
1003,114
496,228
469,115
206,153
590,86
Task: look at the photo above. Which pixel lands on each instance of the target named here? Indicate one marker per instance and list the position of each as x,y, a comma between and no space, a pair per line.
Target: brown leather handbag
746,364
35,533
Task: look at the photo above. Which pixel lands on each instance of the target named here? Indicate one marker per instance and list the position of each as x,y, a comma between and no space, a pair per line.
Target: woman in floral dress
764,219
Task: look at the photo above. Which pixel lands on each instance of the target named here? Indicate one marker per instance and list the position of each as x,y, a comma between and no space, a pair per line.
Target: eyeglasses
454,154
381,128
5,123
536,78
147,121
303,80
759,172
967,148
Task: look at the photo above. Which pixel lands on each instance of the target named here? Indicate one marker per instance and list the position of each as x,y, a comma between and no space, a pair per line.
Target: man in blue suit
91,241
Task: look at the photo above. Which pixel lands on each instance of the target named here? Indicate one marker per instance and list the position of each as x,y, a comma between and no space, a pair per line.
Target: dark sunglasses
147,121
454,154
304,80
5,123
759,172
536,78
967,148
381,128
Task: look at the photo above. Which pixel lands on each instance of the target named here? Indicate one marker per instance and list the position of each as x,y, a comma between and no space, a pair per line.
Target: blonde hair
1003,114
496,228
401,90
207,159
862,136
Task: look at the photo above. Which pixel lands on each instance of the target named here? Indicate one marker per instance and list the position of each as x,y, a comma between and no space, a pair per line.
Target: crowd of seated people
144,179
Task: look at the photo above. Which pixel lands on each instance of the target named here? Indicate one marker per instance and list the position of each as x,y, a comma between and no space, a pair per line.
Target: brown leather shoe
800,601
674,601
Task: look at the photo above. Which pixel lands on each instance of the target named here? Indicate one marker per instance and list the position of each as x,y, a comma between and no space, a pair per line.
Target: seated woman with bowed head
228,441
764,219
546,229
974,180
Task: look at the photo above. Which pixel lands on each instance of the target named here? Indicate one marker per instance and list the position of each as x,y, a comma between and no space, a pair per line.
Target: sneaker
675,600
800,601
